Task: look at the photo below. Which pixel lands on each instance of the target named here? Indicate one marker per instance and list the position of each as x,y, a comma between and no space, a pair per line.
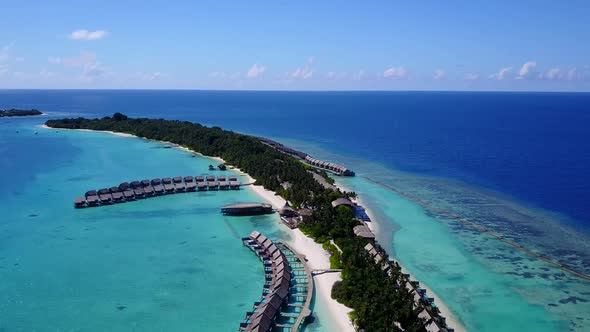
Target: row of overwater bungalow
328,166
430,312
130,191
281,284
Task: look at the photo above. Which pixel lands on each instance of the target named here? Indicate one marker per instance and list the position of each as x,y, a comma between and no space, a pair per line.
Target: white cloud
360,75
503,74
54,60
93,70
150,76
84,34
439,74
255,71
471,77
553,74
302,73
395,73
46,74
335,75
527,71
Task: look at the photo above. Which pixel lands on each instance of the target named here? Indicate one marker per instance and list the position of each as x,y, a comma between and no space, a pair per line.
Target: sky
296,45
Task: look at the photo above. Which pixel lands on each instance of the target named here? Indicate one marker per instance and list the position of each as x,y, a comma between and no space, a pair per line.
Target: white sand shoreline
316,256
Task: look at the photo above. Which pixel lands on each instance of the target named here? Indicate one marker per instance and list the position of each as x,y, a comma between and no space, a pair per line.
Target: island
15,112
381,296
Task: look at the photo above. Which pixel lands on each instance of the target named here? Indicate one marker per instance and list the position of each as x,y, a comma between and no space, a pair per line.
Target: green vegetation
15,112
378,299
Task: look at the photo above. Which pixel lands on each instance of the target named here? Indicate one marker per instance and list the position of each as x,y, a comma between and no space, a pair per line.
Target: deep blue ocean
534,147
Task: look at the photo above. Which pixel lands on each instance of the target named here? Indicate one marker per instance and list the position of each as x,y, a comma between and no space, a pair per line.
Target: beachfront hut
342,201
222,167
156,182
177,179
287,211
363,231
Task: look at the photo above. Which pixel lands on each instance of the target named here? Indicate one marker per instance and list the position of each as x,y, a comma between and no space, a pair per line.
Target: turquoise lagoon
171,263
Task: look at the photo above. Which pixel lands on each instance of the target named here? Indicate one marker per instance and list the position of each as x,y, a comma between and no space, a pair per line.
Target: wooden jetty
283,289
134,190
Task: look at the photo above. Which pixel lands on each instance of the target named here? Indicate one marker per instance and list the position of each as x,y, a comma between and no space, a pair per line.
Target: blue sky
296,45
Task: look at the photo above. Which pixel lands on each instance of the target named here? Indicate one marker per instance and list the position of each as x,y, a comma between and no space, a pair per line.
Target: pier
136,190
288,289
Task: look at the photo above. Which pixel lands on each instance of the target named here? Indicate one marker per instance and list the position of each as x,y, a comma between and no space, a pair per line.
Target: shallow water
171,263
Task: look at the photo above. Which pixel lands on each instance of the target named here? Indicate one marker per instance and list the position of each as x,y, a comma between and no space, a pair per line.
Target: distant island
16,112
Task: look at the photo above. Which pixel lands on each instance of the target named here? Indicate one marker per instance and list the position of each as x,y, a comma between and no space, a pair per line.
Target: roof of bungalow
363,231
92,198
167,180
145,183
188,179
128,193
254,234
342,201
79,200
177,179
275,301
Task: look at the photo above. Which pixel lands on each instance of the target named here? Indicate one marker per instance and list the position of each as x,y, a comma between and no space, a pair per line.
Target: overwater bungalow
234,185
129,195
199,179
188,179
105,198
124,186
168,187
79,202
103,191
159,189
179,187
247,209
167,181
201,186
149,191
213,185
223,185
135,184
191,186
177,179
91,193
210,178
156,182
139,193
92,200
114,190
145,183
221,178
118,197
